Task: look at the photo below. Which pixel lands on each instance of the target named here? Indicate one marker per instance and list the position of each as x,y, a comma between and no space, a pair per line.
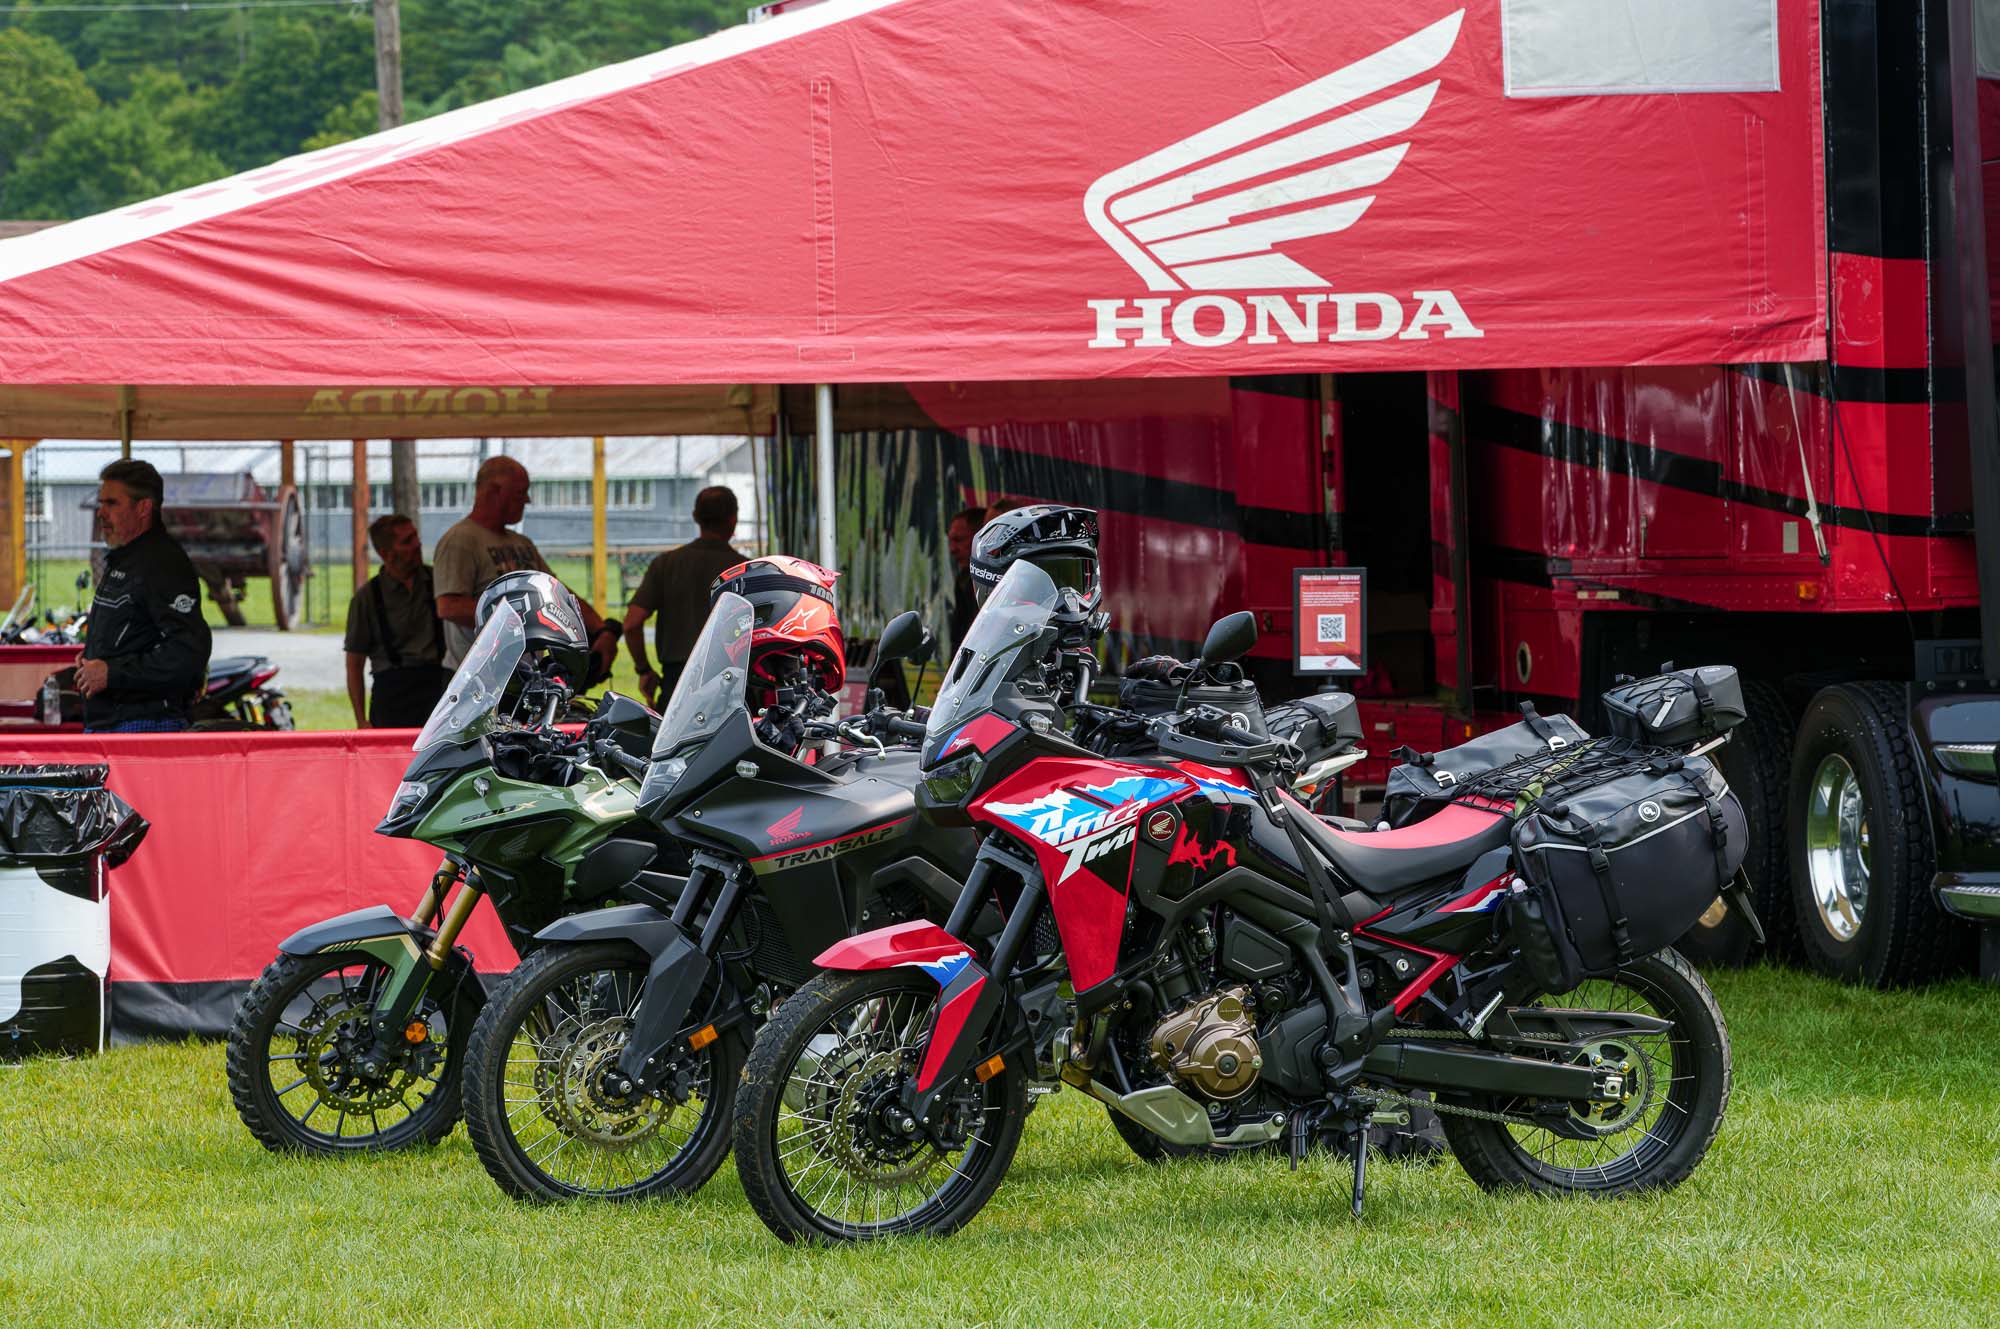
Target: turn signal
702,1037
989,1068
416,1031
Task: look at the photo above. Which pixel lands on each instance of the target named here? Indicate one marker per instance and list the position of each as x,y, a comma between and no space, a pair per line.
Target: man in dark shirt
393,627
676,588
146,655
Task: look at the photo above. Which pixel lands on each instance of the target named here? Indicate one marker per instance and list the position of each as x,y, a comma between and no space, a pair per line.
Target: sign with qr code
1329,614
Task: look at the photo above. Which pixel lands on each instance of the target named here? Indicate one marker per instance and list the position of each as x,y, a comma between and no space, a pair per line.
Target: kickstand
1297,1142
1360,1167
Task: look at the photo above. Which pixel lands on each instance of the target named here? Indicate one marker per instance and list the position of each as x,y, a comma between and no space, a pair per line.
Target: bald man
480,550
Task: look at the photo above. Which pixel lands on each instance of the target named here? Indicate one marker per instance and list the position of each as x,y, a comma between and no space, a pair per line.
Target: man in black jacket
145,657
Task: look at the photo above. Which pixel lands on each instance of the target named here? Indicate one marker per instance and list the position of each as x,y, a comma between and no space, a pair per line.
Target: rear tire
1757,763
1694,1094
1860,845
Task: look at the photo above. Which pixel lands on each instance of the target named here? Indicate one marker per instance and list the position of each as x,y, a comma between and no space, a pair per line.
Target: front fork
968,995
411,968
679,971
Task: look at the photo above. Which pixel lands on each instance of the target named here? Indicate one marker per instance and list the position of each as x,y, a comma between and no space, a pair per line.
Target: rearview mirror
83,580
906,638
1230,639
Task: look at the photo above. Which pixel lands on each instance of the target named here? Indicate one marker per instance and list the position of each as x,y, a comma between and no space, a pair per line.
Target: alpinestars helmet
550,616
1058,539
797,626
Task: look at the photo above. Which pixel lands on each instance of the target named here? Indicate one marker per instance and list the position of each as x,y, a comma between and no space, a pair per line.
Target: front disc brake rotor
336,1036
573,1088
872,1151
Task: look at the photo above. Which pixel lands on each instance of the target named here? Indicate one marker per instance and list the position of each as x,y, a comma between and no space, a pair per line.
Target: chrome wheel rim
1837,848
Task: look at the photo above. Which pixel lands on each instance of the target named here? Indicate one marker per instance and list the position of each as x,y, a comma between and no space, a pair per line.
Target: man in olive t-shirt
393,630
479,550
676,588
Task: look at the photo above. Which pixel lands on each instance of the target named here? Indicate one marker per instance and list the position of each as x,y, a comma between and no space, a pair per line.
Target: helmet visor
1071,572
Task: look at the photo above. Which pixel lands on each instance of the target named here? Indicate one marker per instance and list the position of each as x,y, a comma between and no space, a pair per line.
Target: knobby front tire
816,1160
289,1059
536,1105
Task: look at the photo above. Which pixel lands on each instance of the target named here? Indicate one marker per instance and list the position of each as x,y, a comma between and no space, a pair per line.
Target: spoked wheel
296,1050
826,1152
546,1110
1677,1085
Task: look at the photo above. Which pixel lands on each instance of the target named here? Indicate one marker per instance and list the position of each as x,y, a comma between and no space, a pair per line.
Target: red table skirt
254,835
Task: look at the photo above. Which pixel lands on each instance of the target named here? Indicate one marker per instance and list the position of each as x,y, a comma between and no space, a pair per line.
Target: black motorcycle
608,1064
239,695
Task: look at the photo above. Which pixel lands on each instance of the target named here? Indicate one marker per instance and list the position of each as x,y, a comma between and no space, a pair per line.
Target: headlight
951,782
410,796
662,776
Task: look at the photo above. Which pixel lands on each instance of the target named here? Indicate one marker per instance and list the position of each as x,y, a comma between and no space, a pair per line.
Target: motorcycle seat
230,665
1384,862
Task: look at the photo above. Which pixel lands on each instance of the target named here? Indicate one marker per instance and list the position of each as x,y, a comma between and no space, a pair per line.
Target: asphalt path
307,661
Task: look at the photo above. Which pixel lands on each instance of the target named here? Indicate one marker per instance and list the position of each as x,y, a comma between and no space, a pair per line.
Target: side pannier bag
1675,709
1622,869
1418,788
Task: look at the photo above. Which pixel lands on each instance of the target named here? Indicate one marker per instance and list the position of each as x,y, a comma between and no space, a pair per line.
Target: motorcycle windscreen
1010,622
715,683
470,699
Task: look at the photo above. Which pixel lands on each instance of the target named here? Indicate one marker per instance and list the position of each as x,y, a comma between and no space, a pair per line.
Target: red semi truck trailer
1530,534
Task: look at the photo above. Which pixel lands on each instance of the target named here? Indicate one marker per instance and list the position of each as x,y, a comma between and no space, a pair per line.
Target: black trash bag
53,813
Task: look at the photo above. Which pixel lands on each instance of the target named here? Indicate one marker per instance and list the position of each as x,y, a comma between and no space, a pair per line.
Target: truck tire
1860,842
1757,762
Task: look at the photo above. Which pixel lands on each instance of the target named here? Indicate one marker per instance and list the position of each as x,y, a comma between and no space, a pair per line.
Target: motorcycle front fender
674,978
917,942
641,924
381,934
376,930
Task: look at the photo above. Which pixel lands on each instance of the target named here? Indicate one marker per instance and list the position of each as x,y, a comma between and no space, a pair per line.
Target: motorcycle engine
1211,1044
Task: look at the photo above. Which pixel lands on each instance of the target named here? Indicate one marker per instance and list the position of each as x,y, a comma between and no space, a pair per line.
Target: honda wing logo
1210,212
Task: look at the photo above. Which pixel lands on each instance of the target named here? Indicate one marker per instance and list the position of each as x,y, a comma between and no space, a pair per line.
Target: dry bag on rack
1622,869
1428,781
1676,708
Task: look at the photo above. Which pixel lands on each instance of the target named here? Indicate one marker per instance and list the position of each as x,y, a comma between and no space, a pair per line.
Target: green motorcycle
351,1039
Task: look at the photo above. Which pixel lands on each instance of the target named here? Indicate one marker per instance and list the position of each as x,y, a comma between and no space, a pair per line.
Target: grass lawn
1854,1182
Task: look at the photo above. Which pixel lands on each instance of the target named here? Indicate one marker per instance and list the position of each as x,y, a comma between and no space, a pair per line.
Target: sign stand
1329,623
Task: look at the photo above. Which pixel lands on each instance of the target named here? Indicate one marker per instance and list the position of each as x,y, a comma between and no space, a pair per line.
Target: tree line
103,107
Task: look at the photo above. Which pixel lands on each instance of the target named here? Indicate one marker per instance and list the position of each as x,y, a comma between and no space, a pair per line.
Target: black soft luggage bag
1322,722
1676,708
1421,786
1622,869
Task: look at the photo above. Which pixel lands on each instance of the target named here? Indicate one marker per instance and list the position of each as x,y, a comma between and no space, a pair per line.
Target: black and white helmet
550,616
1059,539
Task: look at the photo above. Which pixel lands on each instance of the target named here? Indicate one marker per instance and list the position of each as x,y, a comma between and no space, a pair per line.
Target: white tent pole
823,470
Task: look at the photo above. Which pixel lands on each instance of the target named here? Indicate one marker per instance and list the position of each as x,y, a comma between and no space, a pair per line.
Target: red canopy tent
880,190
959,192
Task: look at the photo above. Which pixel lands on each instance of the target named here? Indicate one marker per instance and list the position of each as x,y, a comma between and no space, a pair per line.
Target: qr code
1333,628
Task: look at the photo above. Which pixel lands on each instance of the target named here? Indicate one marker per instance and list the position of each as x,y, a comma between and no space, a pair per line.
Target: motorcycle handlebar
608,752
897,725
